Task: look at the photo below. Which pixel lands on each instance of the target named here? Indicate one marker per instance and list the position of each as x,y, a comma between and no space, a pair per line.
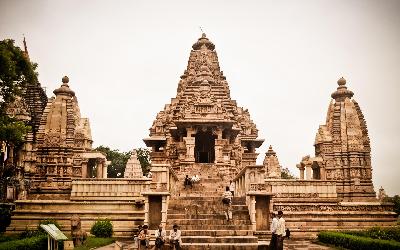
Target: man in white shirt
280,231
161,235
274,226
175,238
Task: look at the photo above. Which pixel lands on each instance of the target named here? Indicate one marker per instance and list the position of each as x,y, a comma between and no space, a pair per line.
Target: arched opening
205,147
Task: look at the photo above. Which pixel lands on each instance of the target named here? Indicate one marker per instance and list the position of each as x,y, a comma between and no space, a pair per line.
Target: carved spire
342,92
26,49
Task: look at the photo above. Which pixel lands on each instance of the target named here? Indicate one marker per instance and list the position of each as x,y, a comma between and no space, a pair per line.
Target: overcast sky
281,59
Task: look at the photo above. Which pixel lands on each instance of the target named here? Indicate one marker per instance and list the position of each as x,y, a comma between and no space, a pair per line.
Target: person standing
175,240
280,231
227,201
232,187
274,226
160,235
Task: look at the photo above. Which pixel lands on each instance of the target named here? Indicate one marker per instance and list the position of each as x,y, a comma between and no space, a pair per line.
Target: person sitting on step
161,235
227,201
136,236
188,182
175,241
144,238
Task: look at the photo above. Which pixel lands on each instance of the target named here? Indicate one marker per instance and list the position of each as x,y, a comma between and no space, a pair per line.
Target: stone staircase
199,213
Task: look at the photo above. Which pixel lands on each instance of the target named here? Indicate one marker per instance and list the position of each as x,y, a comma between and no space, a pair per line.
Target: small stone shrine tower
271,163
342,149
133,168
202,124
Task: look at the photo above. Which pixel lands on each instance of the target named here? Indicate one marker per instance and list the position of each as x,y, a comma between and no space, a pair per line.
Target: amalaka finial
203,35
342,92
65,79
64,89
341,81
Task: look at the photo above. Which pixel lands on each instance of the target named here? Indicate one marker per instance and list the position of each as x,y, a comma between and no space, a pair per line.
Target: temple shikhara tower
202,124
342,149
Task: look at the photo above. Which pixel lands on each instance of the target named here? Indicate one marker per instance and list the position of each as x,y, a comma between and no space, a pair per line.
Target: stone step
236,214
219,239
204,208
215,233
210,227
210,222
207,198
221,246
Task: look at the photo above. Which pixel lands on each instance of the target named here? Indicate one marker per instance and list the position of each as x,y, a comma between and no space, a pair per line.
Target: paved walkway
303,245
288,245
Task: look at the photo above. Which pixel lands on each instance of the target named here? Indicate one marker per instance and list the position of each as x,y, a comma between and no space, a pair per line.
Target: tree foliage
286,174
15,72
12,131
119,159
143,155
396,200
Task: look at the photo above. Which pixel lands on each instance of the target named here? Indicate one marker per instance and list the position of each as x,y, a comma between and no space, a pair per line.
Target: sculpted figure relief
78,234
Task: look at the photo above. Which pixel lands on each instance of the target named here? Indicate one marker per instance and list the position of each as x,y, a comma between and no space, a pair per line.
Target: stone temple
203,132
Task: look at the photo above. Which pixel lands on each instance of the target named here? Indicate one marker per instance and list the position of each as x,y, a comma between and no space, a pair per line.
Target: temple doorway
204,150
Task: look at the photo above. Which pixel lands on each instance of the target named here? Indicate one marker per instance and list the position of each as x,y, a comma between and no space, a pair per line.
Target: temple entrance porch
204,147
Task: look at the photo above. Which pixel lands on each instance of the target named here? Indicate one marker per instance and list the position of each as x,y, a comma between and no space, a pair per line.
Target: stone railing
287,188
248,182
251,182
250,178
111,189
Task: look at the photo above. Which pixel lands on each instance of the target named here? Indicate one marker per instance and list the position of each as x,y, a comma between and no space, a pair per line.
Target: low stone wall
124,215
305,217
116,189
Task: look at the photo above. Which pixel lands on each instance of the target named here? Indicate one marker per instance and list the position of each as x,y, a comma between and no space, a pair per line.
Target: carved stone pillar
253,212
219,146
301,168
99,170
104,170
190,144
84,169
164,208
308,172
146,210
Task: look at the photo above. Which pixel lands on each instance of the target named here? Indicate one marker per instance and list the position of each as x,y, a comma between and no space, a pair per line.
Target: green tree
396,200
286,174
118,161
143,155
15,72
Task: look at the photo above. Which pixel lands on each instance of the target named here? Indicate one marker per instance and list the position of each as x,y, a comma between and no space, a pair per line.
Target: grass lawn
93,242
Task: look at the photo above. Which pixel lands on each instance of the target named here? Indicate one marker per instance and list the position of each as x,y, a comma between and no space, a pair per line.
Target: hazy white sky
281,59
